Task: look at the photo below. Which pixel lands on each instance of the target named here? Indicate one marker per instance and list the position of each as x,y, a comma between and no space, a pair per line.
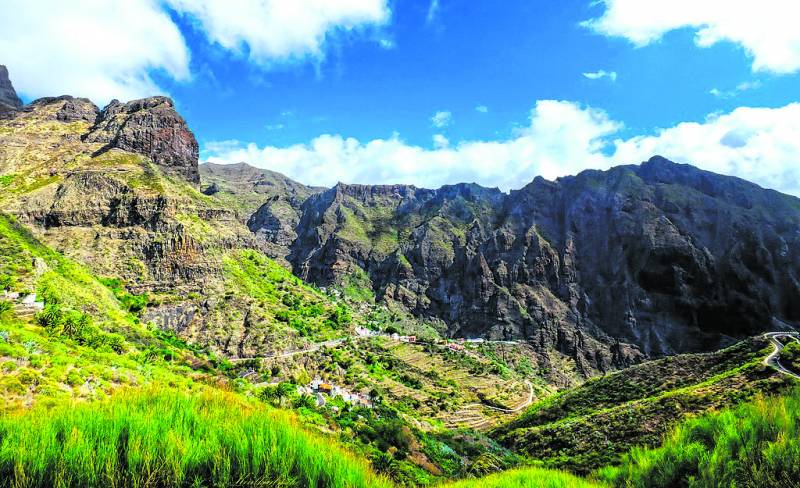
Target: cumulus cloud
270,31
597,75
440,141
562,138
757,144
104,50
482,109
442,119
766,29
92,48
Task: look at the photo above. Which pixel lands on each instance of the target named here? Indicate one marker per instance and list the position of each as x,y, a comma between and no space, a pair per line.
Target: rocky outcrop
71,109
664,256
153,128
9,101
250,187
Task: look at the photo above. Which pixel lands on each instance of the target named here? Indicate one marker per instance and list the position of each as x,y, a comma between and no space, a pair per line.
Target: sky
433,92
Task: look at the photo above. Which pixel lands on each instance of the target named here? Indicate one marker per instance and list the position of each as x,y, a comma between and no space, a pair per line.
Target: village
320,389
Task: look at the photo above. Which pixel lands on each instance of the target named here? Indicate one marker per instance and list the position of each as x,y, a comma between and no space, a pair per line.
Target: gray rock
663,256
9,101
151,127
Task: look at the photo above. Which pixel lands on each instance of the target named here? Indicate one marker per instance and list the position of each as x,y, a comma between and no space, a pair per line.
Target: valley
170,323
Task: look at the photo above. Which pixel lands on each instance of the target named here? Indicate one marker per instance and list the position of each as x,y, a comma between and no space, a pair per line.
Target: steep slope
267,201
116,190
638,405
661,255
9,100
753,445
246,188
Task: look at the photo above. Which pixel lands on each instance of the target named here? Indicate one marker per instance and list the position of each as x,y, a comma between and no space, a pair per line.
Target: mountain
248,188
637,406
664,256
9,100
268,202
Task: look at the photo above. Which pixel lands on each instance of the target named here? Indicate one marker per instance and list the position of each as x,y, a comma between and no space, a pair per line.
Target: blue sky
439,91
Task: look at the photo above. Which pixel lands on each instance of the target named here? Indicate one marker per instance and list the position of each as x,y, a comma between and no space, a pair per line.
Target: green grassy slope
594,424
164,437
527,478
754,445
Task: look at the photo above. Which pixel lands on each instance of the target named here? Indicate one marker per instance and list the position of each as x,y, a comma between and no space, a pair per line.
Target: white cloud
440,141
92,48
104,50
482,109
562,138
271,31
757,144
442,119
741,87
596,75
766,29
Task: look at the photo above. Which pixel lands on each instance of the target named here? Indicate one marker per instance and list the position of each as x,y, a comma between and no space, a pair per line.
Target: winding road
773,360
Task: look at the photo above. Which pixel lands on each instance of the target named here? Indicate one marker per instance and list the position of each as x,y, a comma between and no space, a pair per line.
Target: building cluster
320,389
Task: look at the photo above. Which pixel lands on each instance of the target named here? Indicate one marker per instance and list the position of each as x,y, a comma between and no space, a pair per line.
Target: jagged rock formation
662,255
150,127
267,201
247,188
71,109
9,101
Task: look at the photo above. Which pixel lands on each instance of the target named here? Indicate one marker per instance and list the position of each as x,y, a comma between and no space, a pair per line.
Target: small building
454,346
325,388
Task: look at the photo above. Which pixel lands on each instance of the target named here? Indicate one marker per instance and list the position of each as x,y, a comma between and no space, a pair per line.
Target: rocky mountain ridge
661,255
654,258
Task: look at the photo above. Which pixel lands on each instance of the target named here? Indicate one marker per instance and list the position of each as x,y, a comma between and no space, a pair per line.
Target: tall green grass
754,445
165,438
526,478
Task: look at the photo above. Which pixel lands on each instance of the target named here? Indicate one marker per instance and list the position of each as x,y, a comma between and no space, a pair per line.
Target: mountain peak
8,96
151,127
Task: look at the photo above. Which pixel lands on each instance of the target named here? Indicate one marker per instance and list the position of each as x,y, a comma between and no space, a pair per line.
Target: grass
527,478
160,437
638,406
754,445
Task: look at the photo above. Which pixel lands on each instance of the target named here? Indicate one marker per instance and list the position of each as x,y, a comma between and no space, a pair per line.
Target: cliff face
150,127
9,101
661,255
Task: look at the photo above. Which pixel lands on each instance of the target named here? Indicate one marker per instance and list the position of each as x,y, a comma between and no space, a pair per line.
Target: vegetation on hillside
527,478
637,406
164,437
790,356
754,445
